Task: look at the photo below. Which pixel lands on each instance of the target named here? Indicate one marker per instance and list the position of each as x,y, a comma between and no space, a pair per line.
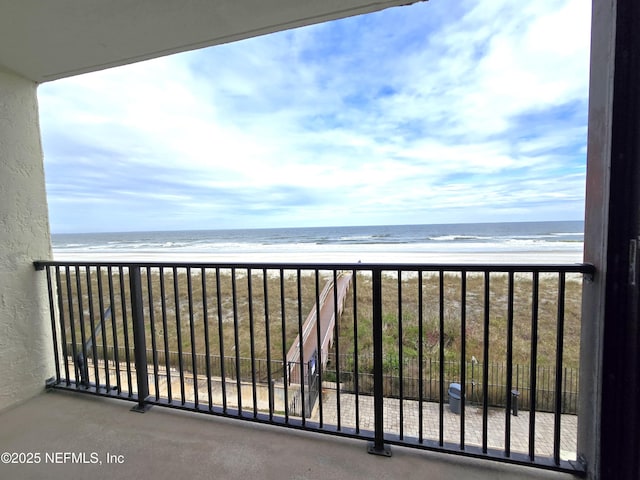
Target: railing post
139,341
377,447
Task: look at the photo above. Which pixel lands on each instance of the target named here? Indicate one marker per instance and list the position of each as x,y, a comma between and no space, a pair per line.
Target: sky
440,112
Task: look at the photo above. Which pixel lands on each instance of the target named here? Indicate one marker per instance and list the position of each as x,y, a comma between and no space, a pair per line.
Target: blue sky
439,112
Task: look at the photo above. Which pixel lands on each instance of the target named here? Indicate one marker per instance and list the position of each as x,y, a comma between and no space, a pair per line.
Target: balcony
609,422
166,443
473,360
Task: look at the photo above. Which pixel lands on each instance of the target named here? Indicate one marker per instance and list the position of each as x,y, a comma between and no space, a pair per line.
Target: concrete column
26,353
596,229
609,422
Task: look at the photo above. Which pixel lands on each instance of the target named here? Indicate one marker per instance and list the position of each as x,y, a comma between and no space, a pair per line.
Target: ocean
516,241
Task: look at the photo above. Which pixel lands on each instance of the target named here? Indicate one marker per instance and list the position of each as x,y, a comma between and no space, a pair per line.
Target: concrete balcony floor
171,444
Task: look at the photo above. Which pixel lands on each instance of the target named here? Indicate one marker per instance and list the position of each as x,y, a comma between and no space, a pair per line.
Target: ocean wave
454,238
540,237
73,245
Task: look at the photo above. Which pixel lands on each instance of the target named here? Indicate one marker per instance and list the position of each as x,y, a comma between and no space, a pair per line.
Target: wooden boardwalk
329,298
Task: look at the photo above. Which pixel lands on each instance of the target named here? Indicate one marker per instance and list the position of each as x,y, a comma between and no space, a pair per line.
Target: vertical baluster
192,334
139,340
319,349
463,355
420,358
114,329
252,345
485,366
534,366
378,447
52,314
165,335
559,361
83,361
103,330
152,326
400,357
72,326
507,419
441,356
285,366
356,353
92,326
56,357
176,300
301,372
207,346
267,339
223,375
125,329
336,343
236,340
63,328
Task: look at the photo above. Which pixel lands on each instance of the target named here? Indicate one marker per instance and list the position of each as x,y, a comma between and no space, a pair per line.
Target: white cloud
479,104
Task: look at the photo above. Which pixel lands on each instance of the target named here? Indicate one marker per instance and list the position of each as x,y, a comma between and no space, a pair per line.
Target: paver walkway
519,439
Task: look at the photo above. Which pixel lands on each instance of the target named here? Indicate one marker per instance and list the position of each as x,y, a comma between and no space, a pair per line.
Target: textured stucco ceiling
49,39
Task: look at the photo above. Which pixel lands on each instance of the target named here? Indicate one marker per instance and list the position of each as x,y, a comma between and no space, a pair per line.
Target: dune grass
445,310
260,314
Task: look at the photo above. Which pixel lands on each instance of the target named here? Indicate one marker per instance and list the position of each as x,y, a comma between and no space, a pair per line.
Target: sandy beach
504,257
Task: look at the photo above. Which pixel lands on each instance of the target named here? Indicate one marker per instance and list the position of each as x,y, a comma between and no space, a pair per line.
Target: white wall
26,354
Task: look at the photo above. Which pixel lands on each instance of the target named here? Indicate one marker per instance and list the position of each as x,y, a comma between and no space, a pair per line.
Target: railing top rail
584,268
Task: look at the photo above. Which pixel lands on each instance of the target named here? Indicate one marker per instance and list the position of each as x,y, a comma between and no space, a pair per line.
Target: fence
197,362
496,387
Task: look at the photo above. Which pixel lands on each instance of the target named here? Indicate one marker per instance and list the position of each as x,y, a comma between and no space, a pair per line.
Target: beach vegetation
259,314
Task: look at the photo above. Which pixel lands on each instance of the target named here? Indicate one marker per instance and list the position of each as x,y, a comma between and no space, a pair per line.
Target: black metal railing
214,338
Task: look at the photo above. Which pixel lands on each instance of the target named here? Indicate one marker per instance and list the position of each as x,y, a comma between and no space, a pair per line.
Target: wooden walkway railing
319,324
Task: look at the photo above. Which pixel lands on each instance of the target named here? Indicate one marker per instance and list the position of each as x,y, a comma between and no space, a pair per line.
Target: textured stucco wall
25,332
